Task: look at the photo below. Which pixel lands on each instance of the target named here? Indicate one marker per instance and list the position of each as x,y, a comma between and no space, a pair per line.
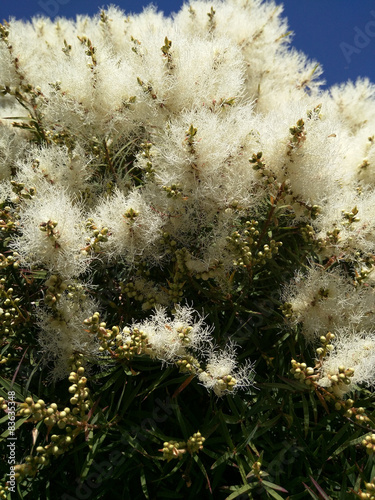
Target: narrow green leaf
306,416
350,442
274,486
142,477
273,493
203,470
223,459
239,491
17,425
311,493
320,490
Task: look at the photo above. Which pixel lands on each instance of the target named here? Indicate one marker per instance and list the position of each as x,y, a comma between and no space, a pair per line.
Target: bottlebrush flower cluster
172,151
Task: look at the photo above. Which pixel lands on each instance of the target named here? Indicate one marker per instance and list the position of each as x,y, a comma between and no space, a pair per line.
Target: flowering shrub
188,239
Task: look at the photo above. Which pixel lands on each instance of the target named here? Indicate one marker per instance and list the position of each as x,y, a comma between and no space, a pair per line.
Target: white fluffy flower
64,334
170,339
56,165
355,352
52,233
12,145
325,301
133,225
223,374
351,213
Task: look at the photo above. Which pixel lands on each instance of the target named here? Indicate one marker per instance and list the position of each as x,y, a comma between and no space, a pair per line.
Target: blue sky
340,34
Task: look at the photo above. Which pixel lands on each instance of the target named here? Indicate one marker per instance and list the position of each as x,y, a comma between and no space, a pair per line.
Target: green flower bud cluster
189,138
21,191
55,288
104,19
315,211
96,147
36,410
307,233
332,238
360,414
260,167
243,243
106,337
142,269
362,275
52,233
195,442
29,468
175,449
287,310
170,244
98,237
173,191
370,493
93,323
298,136
226,383
365,163
130,215
175,290
350,410
136,45
59,444
131,291
147,88
183,333
136,344
91,50
50,415
4,32
350,217
146,154
123,345
369,443
4,359
76,291
9,260
256,469
7,221
137,292
10,313
181,255
80,398
305,374
326,345
346,406
61,138
212,272
189,364
246,246
315,114
4,491
342,377
211,20
73,420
